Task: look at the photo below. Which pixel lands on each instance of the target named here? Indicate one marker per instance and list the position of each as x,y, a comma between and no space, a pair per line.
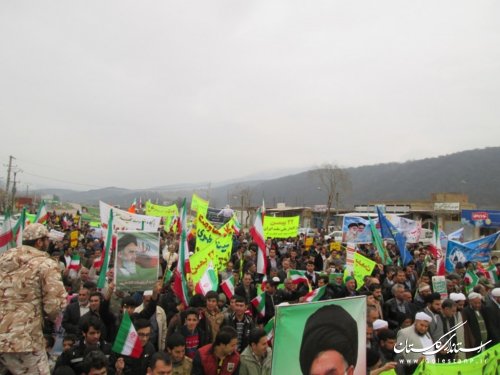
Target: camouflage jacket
30,286
184,367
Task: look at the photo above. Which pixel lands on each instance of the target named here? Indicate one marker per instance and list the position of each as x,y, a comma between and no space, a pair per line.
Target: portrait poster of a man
321,338
136,260
356,230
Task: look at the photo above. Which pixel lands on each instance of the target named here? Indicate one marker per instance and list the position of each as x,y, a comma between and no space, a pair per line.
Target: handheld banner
199,204
124,220
362,267
472,251
483,363
281,227
199,262
356,230
137,260
439,286
161,211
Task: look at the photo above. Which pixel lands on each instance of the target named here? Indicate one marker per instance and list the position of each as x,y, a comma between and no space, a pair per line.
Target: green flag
109,237
379,245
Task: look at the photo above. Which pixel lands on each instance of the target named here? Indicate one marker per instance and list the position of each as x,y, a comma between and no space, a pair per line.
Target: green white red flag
269,329
19,228
228,287
105,262
315,295
74,264
259,303
6,235
167,276
208,282
264,283
257,232
180,286
491,273
42,214
236,226
297,276
470,280
127,341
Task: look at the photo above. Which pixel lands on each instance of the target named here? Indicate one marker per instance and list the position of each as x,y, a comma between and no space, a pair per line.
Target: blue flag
472,251
388,230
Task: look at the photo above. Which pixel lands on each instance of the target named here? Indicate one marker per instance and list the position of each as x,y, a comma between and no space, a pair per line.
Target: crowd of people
216,334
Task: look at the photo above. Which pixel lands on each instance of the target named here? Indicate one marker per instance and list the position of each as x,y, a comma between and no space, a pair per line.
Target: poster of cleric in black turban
325,337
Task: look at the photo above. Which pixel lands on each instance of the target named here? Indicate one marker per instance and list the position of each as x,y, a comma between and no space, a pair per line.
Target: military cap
34,232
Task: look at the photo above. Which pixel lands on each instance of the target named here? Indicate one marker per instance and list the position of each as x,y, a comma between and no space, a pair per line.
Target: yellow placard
362,267
335,246
309,242
73,238
161,211
199,204
281,227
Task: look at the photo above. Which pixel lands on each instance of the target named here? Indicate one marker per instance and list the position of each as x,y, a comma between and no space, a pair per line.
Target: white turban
423,316
474,295
380,324
457,297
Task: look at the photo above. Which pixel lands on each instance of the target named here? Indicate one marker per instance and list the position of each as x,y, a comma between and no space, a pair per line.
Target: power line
63,181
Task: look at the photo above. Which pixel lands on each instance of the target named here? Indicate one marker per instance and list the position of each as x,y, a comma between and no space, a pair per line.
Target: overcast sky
139,94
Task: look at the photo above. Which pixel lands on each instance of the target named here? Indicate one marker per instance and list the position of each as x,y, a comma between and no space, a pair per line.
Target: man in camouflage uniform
30,287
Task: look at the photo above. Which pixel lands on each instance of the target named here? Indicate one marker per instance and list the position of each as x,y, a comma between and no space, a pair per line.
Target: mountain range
474,172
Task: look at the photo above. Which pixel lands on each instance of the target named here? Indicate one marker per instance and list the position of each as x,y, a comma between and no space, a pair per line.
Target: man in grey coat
413,337
256,358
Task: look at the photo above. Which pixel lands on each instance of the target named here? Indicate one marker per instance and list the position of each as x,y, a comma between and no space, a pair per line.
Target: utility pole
7,185
13,192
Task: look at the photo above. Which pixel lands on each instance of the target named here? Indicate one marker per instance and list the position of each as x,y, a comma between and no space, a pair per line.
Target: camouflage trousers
35,363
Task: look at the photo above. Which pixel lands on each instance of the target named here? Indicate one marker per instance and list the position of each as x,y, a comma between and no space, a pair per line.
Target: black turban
329,328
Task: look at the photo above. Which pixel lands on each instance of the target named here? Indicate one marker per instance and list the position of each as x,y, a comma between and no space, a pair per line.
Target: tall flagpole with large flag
180,286
388,230
109,238
257,232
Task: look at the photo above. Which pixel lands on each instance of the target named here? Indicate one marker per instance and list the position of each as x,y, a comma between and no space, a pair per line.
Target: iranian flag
99,261
269,329
228,287
236,226
127,341
435,246
298,276
470,280
19,228
208,282
75,262
437,251
257,232
180,286
6,235
175,225
105,261
264,283
131,209
315,295
491,273
42,214
259,303
167,276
